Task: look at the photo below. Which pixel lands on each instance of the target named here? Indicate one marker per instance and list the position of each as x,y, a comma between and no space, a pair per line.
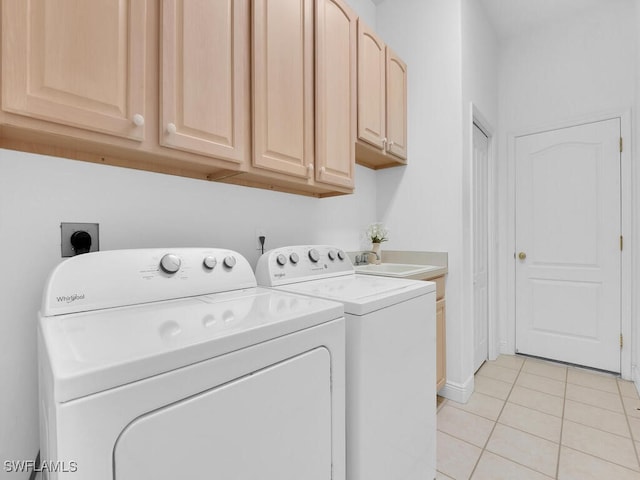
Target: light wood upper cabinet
252,92
335,92
371,87
283,86
75,62
382,103
303,86
396,105
204,89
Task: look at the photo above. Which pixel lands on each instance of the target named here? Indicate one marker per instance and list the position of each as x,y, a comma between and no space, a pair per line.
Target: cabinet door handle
522,255
384,143
322,169
171,128
391,144
310,169
138,120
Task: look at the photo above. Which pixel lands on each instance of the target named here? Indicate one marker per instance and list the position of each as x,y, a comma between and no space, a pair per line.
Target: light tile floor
531,419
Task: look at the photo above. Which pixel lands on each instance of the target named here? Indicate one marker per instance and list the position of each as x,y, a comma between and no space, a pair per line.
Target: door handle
522,255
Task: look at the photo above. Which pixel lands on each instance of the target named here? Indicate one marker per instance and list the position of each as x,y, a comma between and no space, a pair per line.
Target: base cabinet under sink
441,344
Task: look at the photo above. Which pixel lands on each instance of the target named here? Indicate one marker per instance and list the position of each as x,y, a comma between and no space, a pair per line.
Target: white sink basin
395,269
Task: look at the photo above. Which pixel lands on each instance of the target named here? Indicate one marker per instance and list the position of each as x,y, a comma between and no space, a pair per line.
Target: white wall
566,70
636,200
569,68
452,57
422,203
480,51
135,209
426,35
480,89
366,10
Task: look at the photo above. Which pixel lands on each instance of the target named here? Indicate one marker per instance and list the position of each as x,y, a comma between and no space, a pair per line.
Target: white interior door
480,246
568,244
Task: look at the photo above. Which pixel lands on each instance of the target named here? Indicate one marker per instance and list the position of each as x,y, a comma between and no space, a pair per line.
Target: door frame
483,124
627,213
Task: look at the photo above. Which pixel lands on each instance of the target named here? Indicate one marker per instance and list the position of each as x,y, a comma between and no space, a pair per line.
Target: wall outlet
261,232
68,229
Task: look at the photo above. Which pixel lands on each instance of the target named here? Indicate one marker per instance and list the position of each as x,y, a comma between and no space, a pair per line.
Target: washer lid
94,351
362,294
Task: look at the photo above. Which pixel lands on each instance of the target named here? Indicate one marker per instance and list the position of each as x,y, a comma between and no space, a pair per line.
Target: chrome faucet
363,258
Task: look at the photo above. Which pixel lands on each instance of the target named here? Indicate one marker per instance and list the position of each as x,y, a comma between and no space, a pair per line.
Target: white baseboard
635,377
505,350
458,392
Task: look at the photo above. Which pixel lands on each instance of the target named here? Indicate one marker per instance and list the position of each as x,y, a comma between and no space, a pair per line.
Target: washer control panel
303,262
114,278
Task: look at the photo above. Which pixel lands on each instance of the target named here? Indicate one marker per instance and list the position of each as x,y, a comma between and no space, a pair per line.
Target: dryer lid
94,351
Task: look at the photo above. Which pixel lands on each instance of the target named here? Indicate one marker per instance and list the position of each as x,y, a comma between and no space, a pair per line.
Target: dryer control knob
229,261
332,254
281,260
294,258
341,255
170,263
314,256
209,262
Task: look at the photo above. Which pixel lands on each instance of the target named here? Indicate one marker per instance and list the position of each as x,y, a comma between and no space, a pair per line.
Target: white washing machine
172,364
391,361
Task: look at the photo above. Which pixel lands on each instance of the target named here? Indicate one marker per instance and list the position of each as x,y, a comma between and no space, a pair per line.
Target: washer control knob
332,254
281,260
341,255
229,261
170,263
314,256
209,262
294,258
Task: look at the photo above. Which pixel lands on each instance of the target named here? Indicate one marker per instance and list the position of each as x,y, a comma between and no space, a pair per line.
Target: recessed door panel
205,77
371,87
396,105
548,317
566,204
282,82
274,423
76,63
335,92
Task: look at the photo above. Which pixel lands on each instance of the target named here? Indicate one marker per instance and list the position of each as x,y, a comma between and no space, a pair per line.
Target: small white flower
377,233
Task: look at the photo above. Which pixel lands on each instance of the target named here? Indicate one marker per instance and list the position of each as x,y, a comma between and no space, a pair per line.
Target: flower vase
375,248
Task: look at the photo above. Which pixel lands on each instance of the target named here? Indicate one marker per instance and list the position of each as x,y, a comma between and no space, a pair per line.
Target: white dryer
171,364
391,362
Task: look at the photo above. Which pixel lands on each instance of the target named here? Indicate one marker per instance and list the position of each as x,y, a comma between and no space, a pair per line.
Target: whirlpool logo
70,298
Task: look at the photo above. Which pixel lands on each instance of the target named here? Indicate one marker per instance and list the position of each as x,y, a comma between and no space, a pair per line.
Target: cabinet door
396,105
371,87
76,62
283,86
205,77
441,345
335,92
